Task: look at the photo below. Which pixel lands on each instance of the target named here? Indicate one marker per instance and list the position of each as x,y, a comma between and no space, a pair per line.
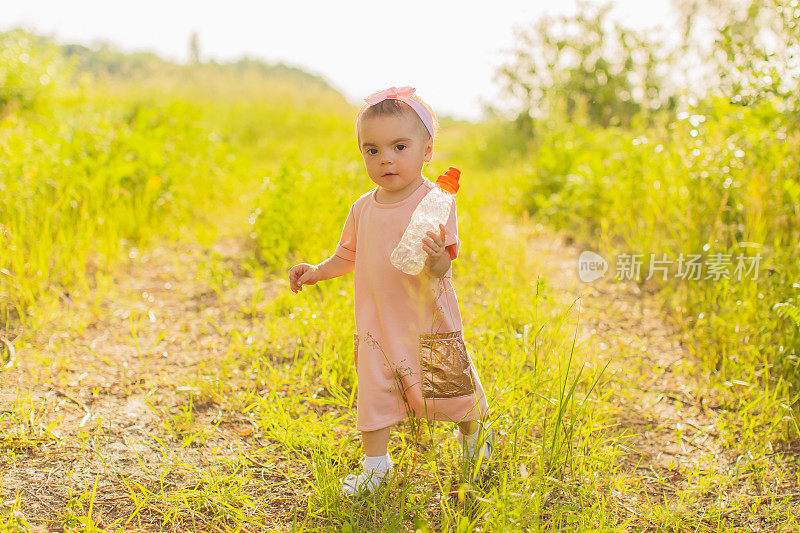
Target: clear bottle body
433,209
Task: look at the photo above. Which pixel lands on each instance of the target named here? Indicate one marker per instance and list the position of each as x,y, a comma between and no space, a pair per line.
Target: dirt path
108,404
680,438
663,395
104,410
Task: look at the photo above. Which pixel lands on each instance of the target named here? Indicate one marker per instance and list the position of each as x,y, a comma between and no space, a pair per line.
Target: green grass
95,168
268,394
719,179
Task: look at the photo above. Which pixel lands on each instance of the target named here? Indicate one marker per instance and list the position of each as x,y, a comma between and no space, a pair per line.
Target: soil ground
103,400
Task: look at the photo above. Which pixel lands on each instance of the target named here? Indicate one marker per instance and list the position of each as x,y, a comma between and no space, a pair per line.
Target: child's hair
394,107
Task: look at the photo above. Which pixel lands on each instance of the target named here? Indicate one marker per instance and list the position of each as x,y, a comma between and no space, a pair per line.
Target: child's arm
334,266
343,260
306,274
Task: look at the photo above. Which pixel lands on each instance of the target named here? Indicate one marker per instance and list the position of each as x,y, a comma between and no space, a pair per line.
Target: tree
753,50
194,48
577,66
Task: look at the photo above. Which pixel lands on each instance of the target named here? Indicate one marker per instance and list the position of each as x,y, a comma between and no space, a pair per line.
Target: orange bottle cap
449,180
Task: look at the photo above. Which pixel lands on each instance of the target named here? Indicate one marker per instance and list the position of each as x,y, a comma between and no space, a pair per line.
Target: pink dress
410,355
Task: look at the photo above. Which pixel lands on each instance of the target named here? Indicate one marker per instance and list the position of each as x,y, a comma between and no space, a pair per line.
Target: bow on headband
403,94
391,92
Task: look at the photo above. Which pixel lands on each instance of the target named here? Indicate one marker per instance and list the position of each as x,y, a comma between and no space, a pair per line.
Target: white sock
470,444
471,440
377,463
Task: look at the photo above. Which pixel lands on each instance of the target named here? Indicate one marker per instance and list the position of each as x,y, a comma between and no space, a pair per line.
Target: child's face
394,150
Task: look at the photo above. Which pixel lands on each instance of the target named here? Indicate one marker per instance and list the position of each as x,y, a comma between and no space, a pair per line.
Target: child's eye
401,146
370,151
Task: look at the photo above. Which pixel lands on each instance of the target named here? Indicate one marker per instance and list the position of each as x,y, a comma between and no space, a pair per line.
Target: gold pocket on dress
444,365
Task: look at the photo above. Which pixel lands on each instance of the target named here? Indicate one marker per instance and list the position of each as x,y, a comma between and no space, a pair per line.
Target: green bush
31,71
720,179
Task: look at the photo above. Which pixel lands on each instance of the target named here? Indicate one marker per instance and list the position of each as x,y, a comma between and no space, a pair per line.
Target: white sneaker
367,480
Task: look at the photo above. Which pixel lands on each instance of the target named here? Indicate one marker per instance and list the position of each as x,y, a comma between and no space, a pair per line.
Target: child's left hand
433,245
438,261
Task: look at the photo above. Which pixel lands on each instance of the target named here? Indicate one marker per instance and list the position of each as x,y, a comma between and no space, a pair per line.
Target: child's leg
469,427
375,465
476,444
375,442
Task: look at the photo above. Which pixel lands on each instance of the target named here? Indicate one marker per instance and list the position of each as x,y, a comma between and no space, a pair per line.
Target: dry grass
144,415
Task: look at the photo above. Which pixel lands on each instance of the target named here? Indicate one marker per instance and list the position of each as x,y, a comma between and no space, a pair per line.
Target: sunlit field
158,374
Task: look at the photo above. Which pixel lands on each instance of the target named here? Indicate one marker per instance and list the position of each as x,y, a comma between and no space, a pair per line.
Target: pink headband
404,95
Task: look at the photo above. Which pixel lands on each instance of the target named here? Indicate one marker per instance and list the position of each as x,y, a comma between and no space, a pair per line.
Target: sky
448,52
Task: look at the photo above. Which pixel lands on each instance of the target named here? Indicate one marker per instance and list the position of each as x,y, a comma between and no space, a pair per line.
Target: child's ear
429,150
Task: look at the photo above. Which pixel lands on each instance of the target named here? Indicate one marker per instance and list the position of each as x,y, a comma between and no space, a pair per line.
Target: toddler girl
410,355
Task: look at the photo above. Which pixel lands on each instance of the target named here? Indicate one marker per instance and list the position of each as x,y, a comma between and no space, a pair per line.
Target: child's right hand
302,274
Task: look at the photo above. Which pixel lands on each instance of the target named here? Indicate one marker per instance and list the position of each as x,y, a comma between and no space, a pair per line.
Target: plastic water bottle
433,209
